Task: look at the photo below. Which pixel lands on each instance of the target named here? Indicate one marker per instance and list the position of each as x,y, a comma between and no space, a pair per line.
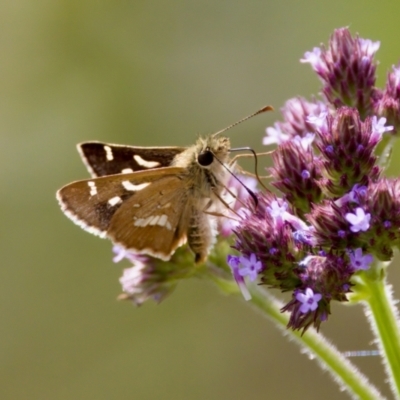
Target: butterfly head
210,148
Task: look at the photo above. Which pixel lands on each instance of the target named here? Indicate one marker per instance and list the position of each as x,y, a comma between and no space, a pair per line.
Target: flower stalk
313,343
376,295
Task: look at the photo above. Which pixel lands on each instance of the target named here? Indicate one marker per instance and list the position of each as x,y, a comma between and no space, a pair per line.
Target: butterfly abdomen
201,234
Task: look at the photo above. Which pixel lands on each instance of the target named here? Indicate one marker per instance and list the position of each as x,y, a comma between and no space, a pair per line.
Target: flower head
296,172
140,282
347,70
296,115
151,278
347,150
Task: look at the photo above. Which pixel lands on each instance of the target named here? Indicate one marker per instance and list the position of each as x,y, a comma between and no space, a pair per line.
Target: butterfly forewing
155,220
92,203
108,159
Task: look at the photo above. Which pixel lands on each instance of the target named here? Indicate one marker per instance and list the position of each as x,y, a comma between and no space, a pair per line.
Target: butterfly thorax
206,174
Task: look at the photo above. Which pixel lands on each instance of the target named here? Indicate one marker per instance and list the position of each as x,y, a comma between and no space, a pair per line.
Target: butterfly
151,200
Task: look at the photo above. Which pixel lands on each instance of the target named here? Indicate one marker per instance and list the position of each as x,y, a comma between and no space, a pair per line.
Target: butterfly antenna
260,111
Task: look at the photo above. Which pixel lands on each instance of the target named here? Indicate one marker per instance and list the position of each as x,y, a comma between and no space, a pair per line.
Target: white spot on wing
126,171
154,220
93,189
114,201
163,220
142,221
109,154
132,187
160,220
146,164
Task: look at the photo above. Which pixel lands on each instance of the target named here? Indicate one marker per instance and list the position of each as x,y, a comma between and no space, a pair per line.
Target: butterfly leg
233,160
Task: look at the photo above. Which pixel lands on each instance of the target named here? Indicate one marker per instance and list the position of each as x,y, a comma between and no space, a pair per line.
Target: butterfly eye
205,158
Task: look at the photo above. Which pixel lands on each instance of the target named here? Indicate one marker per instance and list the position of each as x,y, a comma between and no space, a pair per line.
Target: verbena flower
331,182
149,277
295,112
347,70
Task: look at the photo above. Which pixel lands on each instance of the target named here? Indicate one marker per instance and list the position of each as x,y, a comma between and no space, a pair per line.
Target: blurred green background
148,73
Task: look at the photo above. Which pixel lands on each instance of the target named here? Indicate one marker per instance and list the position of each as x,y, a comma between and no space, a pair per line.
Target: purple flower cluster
336,212
142,280
151,278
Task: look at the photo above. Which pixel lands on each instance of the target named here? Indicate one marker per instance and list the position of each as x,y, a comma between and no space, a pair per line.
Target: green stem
384,150
383,318
342,370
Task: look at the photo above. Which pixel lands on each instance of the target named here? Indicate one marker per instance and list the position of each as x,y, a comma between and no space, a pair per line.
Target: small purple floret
387,224
306,141
234,262
368,46
379,128
360,261
341,233
275,136
250,267
359,221
329,150
319,121
309,300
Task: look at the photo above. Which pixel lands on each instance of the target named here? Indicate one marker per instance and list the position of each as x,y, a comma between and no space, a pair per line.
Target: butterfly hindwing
108,159
155,220
92,203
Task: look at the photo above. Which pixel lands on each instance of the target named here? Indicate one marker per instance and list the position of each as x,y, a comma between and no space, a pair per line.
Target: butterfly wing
108,159
92,203
155,220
